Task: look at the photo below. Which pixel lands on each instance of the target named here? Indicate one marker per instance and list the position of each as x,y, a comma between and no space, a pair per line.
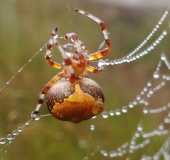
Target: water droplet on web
93,117
111,113
113,154
137,134
86,158
107,62
118,112
161,127
41,49
15,132
19,129
156,74
124,109
37,118
9,137
2,140
19,70
131,105
149,84
167,120
163,57
145,110
27,123
92,127
101,63
105,115
164,32
139,127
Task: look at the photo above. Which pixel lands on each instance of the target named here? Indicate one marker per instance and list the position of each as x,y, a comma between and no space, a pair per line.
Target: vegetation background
25,26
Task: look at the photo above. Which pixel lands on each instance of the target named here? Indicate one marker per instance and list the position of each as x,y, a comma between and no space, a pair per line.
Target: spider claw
76,9
54,31
34,114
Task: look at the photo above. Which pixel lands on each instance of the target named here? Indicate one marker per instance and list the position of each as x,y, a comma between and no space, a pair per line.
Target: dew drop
105,115
161,127
124,109
111,113
139,127
19,129
156,74
37,118
27,123
131,105
112,62
15,133
149,84
9,137
92,127
107,62
164,32
138,97
163,57
137,134
93,117
101,63
41,49
118,112
145,110
2,140
167,120
113,154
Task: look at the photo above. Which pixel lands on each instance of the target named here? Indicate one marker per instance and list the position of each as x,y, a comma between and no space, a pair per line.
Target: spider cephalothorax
71,95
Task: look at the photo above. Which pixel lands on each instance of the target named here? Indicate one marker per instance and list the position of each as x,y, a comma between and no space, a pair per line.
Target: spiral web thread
142,99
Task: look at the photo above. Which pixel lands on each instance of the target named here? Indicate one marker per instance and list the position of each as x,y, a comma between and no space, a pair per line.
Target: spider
71,95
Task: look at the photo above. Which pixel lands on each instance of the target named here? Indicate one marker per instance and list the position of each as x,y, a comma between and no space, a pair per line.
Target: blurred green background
25,26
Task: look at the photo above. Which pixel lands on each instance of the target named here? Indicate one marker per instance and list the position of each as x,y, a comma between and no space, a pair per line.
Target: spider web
135,123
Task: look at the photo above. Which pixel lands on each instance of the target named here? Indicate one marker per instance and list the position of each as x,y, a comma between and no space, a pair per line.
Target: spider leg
68,68
48,53
44,91
105,51
95,70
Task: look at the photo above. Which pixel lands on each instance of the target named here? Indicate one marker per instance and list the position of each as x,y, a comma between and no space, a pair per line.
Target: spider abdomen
75,102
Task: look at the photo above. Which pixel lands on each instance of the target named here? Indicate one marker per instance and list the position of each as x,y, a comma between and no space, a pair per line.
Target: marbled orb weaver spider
71,95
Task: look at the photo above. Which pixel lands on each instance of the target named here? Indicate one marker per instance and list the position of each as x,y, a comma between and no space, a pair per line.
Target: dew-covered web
134,127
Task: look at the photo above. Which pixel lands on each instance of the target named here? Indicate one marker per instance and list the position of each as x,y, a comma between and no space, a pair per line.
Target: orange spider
71,95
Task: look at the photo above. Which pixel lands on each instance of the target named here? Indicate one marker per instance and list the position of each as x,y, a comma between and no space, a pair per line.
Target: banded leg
44,91
105,51
95,70
68,66
48,53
